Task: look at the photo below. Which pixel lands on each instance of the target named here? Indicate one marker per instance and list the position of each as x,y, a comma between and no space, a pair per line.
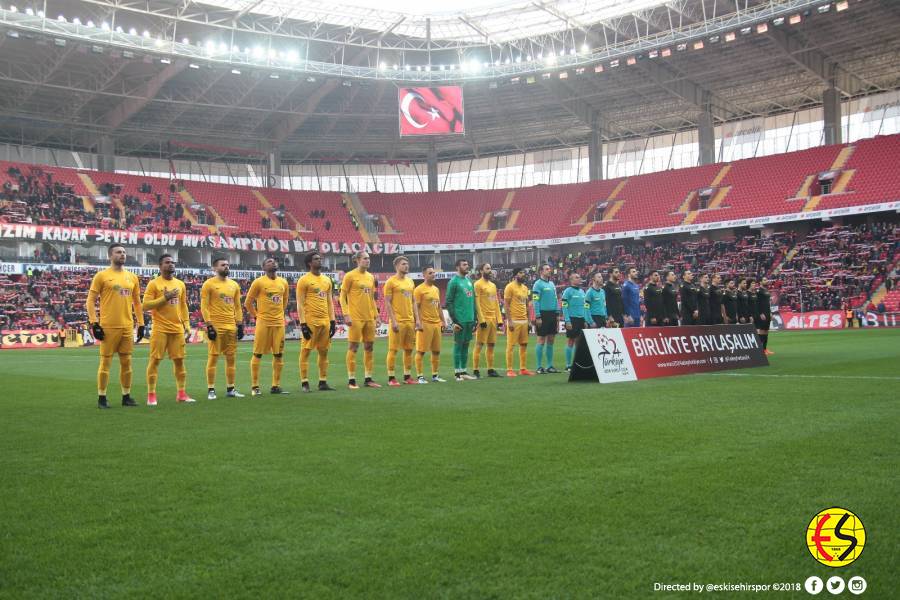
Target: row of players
415,320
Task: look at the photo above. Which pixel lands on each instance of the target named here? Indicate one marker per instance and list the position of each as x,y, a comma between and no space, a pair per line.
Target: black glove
483,324
97,331
332,327
307,332
240,332
211,333
140,333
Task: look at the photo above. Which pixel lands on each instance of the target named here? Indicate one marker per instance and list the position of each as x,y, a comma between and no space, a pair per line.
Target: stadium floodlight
497,63
714,39
762,28
132,31
165,61
145,34
293,56
273,75
614,63
13,9
185,41
382,66
475,65
127,54
41,14
193,66
585,48
419,68
158,42
258,52
795,19
730,36
841,6
235,72
119,29
76,21
681,47
778,21
28,11
396,66
573,52
210,46
631,60
61,18
666,52
745,30
272,54
407,67
518,59
90,24
653,54
698,45
824,9
12,33
507,61
223,47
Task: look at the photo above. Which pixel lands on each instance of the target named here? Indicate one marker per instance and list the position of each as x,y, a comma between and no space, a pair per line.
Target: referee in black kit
653,302
614,306
670,300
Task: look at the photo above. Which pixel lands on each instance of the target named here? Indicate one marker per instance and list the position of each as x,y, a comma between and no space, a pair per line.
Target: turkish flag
431,111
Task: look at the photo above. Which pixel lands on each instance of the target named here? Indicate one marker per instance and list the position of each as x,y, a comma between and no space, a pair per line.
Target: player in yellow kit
166,299
427,300
404,320
119,292
315,311
266,302
487,314
360,317
516,297
220,305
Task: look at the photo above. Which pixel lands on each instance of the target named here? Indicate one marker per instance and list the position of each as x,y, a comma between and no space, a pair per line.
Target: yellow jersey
428,298
358,296
120,294
169,316
400,294
220,303
515,297
314,295
271,296
486,301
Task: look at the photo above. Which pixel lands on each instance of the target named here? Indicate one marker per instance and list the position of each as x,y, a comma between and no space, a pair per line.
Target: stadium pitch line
801,376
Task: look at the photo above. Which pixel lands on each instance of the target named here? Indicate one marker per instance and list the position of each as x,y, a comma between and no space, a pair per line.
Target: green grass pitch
530,487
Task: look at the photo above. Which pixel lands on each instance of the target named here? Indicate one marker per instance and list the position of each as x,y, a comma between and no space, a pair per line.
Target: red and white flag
431,111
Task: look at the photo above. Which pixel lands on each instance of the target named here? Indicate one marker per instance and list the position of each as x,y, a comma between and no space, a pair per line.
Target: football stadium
544,298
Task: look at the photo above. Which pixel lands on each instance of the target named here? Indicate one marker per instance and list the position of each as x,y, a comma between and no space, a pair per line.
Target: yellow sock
476,357
369,362
180,373
152,375
304,364
351,364
277,366
523,357
420,363
103,374
125,373
211,363
435,362
254,371
509,357
230,370
391,362
490,357
322,363
407,362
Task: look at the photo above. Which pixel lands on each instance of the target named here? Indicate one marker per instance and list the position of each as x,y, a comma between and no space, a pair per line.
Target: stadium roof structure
318,80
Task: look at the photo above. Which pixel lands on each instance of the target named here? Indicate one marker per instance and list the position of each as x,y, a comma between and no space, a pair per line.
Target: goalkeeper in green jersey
461,306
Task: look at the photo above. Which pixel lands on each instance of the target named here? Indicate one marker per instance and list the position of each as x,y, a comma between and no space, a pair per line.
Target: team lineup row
415,318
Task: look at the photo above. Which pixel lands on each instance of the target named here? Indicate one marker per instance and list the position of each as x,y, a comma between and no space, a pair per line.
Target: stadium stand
860,173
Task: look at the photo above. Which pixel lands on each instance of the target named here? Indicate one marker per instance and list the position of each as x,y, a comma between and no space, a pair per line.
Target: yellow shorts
320,339
429,339
268,339
225,342
488,335
166,343
361,331
404,339
117,341
517,334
